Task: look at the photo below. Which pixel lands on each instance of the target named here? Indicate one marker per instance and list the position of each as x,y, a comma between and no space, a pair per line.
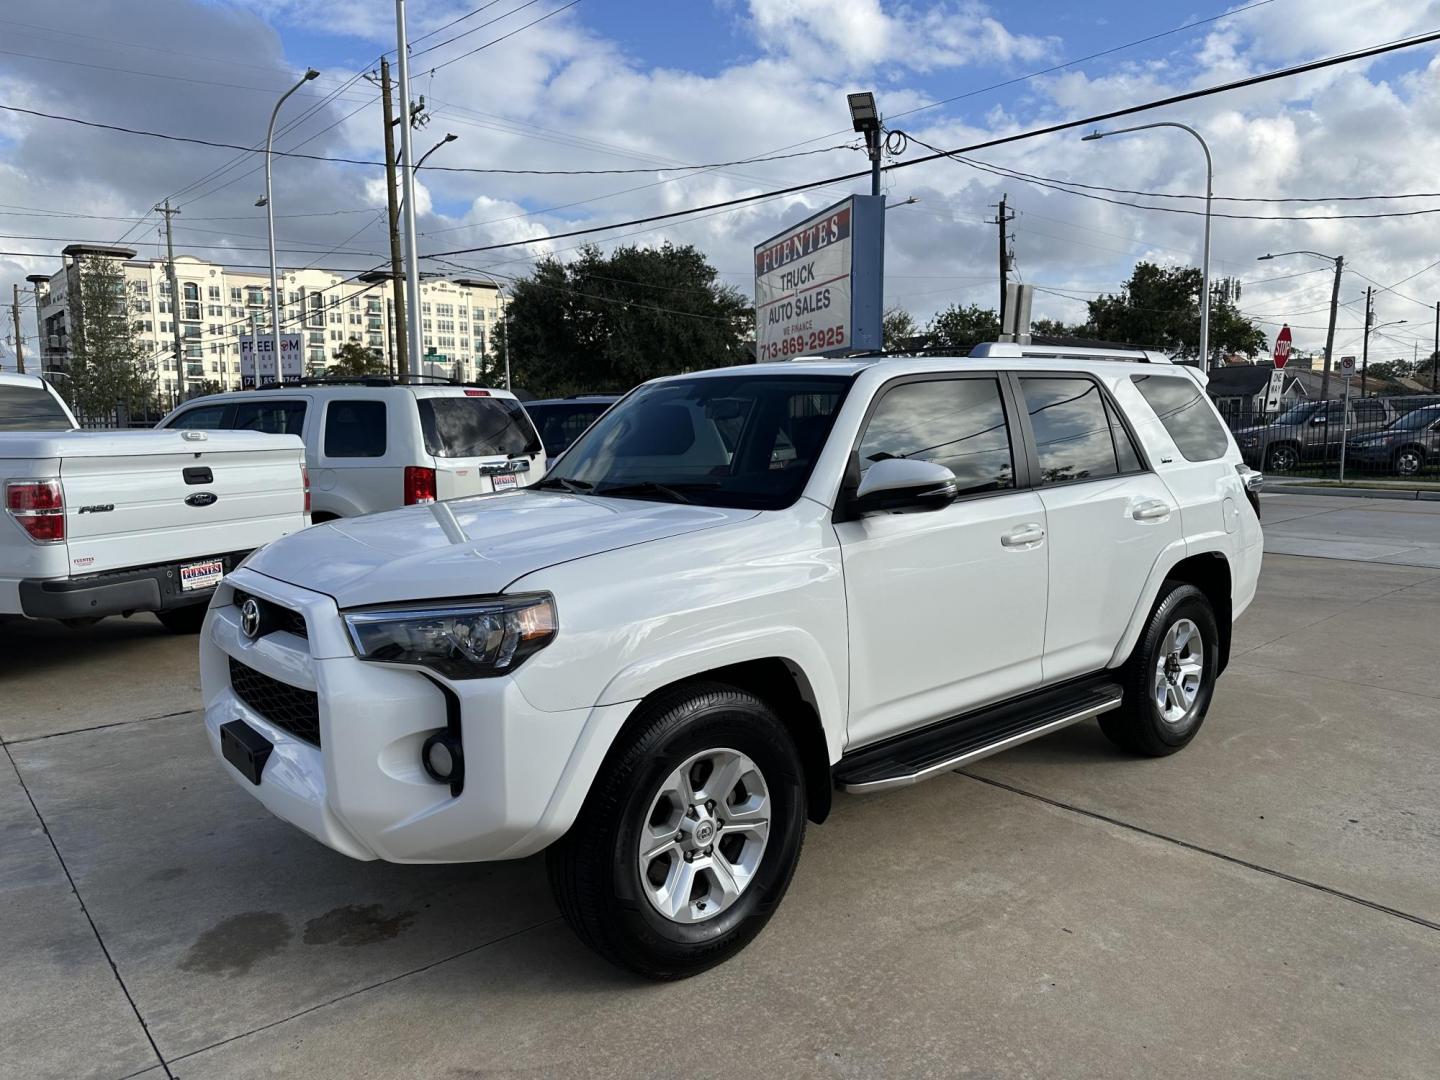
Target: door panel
946,608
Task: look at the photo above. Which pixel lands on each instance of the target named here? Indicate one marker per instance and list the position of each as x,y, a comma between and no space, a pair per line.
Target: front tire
1282,458
689,836
1170,677
1409,461
183,620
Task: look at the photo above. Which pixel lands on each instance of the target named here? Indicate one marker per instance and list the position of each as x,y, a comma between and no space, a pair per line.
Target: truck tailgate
140,509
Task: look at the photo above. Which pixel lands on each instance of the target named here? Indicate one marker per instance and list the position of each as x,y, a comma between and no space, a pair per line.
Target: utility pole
1365,339
174,293
1002,218
19,342
254,350
1330,333
392,202
1435,356
412,253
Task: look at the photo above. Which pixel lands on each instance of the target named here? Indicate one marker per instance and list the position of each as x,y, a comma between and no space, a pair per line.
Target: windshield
1414,421
31,408
461,427
1296,413
745,441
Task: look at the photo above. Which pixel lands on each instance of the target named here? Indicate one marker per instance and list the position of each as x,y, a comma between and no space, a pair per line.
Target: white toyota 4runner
739,590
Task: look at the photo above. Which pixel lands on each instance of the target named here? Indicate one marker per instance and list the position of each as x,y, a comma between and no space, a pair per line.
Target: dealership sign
257,359
818,284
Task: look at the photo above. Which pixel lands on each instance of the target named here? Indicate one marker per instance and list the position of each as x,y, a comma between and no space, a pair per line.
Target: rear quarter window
462,427
355,429
1181,407
30,408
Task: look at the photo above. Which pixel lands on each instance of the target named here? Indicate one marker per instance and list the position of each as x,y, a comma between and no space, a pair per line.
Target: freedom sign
818,283
257,359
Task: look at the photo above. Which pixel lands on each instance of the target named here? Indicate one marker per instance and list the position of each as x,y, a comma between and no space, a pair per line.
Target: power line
452,22
503,37
1129,110
473,29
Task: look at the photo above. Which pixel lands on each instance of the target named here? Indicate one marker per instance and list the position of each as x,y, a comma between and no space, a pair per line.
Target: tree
959,328
1054,328
1160,306
352,358
898,330
109,368
204,389
606,322
1390,370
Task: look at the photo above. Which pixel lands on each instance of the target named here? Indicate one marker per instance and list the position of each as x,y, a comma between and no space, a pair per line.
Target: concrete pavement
1263,904
1366,530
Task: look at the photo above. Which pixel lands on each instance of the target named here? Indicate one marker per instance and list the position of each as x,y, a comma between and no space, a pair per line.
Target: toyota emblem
250,618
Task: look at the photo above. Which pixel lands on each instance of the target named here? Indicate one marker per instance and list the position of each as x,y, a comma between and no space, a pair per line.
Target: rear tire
707,766
183,620
1170,677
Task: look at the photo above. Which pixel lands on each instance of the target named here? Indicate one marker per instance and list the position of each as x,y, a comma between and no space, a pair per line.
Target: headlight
461,640
1249,442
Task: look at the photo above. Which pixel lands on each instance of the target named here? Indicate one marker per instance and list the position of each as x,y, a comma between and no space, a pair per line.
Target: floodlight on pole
1205,259
865,116
269,204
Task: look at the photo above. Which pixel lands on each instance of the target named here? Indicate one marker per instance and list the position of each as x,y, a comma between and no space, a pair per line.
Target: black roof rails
370,380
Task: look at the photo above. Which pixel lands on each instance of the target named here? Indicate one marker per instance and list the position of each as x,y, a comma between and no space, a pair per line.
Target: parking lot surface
1265,904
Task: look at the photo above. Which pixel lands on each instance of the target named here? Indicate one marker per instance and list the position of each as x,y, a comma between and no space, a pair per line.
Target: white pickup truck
103,523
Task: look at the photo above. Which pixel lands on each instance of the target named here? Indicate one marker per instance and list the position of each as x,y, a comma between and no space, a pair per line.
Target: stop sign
1282,346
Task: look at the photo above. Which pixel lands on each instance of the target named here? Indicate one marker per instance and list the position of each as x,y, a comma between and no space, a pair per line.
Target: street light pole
449,138
412,252
1209,195
1339,261
310,73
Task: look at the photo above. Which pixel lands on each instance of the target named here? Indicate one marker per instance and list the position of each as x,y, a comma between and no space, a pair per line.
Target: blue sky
644,84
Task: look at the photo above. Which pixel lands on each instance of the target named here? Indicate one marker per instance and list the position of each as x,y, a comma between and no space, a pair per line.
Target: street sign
1282,346
1274,391
1347,367
818,283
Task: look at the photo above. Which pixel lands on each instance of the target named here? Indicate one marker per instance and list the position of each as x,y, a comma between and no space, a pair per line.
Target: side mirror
905,484
1321,419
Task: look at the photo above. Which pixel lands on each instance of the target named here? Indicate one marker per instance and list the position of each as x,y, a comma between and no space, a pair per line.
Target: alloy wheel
1407,462
1282,459
1179,668
704,835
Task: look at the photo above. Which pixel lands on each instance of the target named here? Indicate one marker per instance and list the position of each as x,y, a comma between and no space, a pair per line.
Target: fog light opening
444,759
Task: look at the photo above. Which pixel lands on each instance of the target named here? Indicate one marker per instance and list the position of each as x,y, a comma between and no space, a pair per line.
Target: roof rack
370,380
1089,351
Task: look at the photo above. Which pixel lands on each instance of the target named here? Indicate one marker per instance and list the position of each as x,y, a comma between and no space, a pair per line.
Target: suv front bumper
363,790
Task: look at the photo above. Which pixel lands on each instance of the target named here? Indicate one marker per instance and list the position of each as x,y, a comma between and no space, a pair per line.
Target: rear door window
355,429
30,408
1182,409
1072,429
561,425
958,423
464,427
202,418
272,417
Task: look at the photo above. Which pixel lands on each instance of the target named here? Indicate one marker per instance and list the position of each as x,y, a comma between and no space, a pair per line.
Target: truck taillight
37,507
305,483
419,485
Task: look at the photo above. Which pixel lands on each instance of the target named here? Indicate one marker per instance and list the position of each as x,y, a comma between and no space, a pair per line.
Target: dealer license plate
201,575
503,481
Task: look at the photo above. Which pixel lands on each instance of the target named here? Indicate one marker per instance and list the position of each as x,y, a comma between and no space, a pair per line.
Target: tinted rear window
355,429
1198,433
274,417
461,427
561,425
30,408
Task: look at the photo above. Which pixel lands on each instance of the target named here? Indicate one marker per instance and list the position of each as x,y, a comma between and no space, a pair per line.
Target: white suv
739,590
372,444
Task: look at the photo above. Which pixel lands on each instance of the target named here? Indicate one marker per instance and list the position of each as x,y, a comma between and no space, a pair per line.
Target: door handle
1151,511
1025,536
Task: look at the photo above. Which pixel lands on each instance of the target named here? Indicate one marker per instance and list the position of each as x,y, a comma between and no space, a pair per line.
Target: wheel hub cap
1179,671
704,835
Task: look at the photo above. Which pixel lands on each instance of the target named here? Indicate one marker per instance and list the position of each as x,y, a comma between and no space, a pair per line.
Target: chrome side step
952,744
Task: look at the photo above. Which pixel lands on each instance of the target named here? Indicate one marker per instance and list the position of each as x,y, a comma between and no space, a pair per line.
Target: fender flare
1169,558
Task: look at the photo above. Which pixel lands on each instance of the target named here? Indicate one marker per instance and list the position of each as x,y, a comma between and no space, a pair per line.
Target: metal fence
1382,437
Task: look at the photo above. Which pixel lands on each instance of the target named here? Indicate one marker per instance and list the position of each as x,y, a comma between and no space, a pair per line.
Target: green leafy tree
1389,369
607,322
1054,328
109,368
959,328
1160,306
352,358
203,389
898,330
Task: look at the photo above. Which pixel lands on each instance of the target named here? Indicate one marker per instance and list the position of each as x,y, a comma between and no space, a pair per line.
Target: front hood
1372,440
470,547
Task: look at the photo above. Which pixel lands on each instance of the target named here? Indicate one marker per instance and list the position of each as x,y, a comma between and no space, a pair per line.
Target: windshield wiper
673,492
579,487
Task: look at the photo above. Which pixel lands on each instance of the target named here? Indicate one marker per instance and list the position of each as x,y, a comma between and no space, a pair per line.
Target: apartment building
217,304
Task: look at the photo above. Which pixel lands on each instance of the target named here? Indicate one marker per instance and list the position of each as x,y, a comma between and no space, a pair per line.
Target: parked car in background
29,403
739,589
373,443
561,421
1407,446
103,523
1310,432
